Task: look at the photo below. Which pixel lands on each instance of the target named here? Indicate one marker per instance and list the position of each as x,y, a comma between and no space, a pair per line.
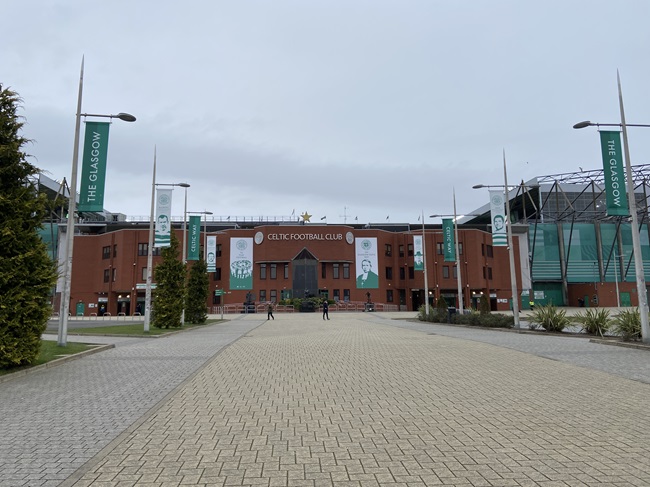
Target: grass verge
50,350
134,329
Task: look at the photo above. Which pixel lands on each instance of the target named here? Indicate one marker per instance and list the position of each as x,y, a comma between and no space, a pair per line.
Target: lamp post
147,296
636,237
457,252
511,250
64,305
426,279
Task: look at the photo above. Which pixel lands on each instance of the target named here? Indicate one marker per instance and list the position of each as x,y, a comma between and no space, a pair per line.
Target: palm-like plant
594,321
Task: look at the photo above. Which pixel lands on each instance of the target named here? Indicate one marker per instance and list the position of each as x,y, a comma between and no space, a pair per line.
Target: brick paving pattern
354,402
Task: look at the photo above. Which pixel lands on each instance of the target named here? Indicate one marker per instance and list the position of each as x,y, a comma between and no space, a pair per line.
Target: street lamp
457,252
511,250
636,237
64,305
147,295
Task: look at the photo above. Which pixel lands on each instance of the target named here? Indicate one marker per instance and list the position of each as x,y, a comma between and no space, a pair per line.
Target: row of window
440,250
143,250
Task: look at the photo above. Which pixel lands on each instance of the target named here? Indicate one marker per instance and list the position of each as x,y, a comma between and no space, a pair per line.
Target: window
114,275
455,273
389,296
402,273
216,275
286,271
346,295
274,295
107,275
144,274
410,250
114,250
335,271
483,249
106,252
262,271
389,272
323,270
346,271
156,250
445,272
216,299
263,295
337,294
389,250
460,248
143,249
489,250
274,271
218,253
411,272
489,273
440,248
401,251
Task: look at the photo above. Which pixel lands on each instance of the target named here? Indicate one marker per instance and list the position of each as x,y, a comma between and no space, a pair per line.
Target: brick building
290,259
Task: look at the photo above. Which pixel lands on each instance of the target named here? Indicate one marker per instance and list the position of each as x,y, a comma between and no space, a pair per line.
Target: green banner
241,263
449,246
194,238
614,173
93,173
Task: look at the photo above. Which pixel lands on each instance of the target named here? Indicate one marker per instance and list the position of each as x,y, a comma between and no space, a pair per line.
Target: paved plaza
362,399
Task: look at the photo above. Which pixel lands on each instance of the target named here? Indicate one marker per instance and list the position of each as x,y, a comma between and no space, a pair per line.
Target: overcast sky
341,108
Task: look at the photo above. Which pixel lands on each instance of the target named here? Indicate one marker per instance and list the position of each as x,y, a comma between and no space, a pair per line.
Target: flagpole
426,280
642,292
64,305
459,274
147,298
511,249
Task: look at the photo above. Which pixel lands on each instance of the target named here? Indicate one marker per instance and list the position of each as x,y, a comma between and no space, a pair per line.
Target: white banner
418,257
366,263
497,208
163,217
211,252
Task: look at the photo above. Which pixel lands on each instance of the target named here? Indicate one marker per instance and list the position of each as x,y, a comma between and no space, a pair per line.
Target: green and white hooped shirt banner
497,207
418,253
241,263
163,217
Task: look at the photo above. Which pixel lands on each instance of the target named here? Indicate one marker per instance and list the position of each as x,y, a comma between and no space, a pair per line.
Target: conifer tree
170,288
197,293
27,272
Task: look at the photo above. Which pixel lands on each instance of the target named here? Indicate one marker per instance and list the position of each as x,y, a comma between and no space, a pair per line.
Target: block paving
361,400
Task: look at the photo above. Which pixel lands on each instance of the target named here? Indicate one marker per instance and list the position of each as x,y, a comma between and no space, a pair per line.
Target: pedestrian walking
326,309
269,315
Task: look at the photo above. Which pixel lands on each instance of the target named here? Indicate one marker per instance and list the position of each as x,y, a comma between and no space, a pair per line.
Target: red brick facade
109,268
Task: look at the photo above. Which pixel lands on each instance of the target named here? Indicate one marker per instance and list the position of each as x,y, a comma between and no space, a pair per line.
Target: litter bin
451,311
370,307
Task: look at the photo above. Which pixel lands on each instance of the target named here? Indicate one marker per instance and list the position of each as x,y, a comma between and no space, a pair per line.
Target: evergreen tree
484,305
170,288
197,293
27,273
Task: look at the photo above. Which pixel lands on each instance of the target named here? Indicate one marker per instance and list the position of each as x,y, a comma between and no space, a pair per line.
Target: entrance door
305,275
416,299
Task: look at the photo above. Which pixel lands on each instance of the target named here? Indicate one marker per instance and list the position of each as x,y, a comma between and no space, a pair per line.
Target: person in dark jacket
269,315
326,310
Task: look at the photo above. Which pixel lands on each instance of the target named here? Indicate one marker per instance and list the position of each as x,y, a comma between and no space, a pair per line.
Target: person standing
269,315
326,309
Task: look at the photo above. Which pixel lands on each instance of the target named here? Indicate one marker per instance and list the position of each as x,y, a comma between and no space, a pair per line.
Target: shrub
627,324
490,320
549,318
594,321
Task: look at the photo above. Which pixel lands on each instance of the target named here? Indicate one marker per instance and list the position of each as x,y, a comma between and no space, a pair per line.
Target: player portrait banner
448,241
163,218
616,196
93,172
366,263
497,216
211,252
418,254
194,238
241,263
